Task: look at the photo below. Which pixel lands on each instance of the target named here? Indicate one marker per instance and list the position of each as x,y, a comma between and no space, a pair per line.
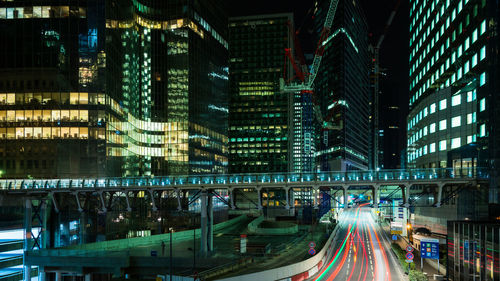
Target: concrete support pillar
346,203
54,202
376,196
58,276
27,237
83,228
439,195
178,194
103,203
206,223
316,197
259,196
287,191
153,200
406,195
129,209
88,277
232,203
78,203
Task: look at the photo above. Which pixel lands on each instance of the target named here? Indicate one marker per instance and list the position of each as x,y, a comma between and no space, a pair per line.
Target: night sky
393,53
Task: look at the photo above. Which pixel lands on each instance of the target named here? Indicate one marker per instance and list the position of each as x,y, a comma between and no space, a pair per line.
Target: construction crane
306,84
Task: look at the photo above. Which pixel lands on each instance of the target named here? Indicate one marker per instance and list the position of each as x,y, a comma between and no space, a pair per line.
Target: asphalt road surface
362,251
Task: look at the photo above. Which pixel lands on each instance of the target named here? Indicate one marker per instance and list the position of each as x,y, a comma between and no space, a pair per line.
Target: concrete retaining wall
123,244
297,271
254,228
254,225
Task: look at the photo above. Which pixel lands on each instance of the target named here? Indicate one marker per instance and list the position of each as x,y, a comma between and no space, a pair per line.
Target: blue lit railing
232,179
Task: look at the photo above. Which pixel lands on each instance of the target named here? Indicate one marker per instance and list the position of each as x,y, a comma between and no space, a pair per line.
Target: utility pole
171,264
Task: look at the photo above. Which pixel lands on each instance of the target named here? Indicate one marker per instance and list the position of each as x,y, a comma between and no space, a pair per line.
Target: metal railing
254,179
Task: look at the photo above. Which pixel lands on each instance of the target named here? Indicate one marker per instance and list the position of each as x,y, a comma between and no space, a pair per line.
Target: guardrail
242,179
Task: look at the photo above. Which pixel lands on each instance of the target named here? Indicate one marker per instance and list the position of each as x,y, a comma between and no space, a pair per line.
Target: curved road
362,252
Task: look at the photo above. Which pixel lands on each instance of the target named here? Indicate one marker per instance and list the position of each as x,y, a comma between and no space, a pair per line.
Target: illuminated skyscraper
454,86
113,88
172,59
259,113
342,87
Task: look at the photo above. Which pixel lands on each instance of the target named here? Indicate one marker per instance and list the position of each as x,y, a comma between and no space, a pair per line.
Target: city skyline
265,140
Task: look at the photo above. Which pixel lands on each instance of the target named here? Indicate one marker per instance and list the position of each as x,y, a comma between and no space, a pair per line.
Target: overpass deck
293,180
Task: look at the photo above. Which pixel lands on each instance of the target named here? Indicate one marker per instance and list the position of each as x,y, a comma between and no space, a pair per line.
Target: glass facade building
259,113
473,251
343,88
454,85
110,87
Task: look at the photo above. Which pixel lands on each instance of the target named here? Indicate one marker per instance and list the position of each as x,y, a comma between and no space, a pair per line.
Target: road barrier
294,272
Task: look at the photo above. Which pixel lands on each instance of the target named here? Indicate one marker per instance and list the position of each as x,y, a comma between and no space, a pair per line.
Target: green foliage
401,254
416,275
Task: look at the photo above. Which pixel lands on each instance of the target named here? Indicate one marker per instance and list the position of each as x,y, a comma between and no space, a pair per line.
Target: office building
113,88
259,119
342,87
454,84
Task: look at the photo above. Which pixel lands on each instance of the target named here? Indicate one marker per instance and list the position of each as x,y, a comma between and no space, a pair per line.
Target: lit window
469,118
474,60
425,149
455,121
442,125
432,128
469,139
432,147
425,112
482,53
455,100
455,143
471,96
442,145
474,35
482,104
483,27
482,79
432,108
482,130
442,104
425,131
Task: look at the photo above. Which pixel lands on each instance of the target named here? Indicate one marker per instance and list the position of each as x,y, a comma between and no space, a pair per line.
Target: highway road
362,252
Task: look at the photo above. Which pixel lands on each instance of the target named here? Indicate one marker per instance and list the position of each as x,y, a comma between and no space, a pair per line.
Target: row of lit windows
41,12
258,139
442,145
455,101
235,128
44,115
46,98
252,151
442,125
52,133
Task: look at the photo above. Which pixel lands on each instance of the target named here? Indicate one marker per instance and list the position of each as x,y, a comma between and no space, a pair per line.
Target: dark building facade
259,118
343,78
473,250
52,83
113,88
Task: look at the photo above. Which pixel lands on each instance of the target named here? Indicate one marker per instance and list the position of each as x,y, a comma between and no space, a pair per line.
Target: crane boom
324,35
